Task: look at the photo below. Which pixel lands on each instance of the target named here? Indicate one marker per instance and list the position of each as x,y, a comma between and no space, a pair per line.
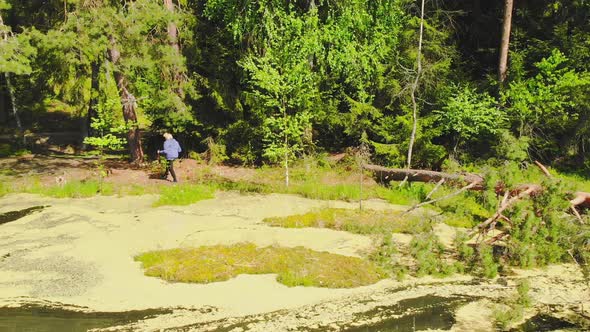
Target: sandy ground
79,252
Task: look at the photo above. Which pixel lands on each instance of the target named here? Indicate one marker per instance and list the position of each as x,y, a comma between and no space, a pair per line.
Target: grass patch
410,194
295,266
184,194
316,183
4,188
311,189
354,221
73,189
136,190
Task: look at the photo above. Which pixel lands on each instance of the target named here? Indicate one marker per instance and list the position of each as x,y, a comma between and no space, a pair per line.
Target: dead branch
579,199
531,190
467,187
543,169
497,238
577,214
438,184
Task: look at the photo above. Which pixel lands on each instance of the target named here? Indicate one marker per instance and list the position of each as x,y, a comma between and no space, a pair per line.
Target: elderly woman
171,151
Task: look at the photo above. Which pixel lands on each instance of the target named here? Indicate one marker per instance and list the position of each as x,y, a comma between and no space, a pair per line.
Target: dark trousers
170,168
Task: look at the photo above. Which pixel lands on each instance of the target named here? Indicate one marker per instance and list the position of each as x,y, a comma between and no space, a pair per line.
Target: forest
428,137
277,79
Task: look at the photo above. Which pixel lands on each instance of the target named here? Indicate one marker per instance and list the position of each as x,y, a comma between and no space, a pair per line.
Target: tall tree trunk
13,101
173,40
506,26
172,29
415,87
4,35
129,103
3,103
86,122
286,143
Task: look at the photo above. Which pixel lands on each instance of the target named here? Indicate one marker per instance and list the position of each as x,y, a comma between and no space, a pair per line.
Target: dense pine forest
417,82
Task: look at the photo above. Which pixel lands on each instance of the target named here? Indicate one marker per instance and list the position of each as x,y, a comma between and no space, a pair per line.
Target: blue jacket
171,149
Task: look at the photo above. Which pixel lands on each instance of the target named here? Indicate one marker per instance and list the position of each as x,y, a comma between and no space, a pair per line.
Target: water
15,215
418,314
543,322
42,319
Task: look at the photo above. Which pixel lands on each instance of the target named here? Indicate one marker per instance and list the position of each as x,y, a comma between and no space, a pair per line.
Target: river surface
67,265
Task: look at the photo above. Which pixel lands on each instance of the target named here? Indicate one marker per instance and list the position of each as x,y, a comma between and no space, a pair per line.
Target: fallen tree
472,181
527,221
385,175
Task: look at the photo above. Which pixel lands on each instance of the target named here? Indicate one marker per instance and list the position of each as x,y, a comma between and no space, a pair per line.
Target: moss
294,266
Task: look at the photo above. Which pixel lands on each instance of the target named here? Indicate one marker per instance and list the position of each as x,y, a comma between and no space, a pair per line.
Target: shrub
428,252
488,265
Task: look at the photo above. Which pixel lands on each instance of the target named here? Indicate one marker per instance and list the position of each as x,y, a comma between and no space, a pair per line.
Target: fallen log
384,175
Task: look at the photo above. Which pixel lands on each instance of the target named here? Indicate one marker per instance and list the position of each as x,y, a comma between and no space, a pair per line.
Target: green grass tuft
354,221
73,189
295,266
184,194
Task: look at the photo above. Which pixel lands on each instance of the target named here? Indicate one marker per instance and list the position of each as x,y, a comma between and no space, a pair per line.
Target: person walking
171,151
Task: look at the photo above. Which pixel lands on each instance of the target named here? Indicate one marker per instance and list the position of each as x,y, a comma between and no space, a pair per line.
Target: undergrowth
70,189
429,254
512,309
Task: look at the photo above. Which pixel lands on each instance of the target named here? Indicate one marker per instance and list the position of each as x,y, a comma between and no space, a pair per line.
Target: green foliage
465,210
581,251
511,148
465,252
512,311
108,129
105,125
295,266
283,137
551,101
5,188
538,97
524,299
428,252
215,152
470,116
540,231
406,195
15,51
487,262
505,316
